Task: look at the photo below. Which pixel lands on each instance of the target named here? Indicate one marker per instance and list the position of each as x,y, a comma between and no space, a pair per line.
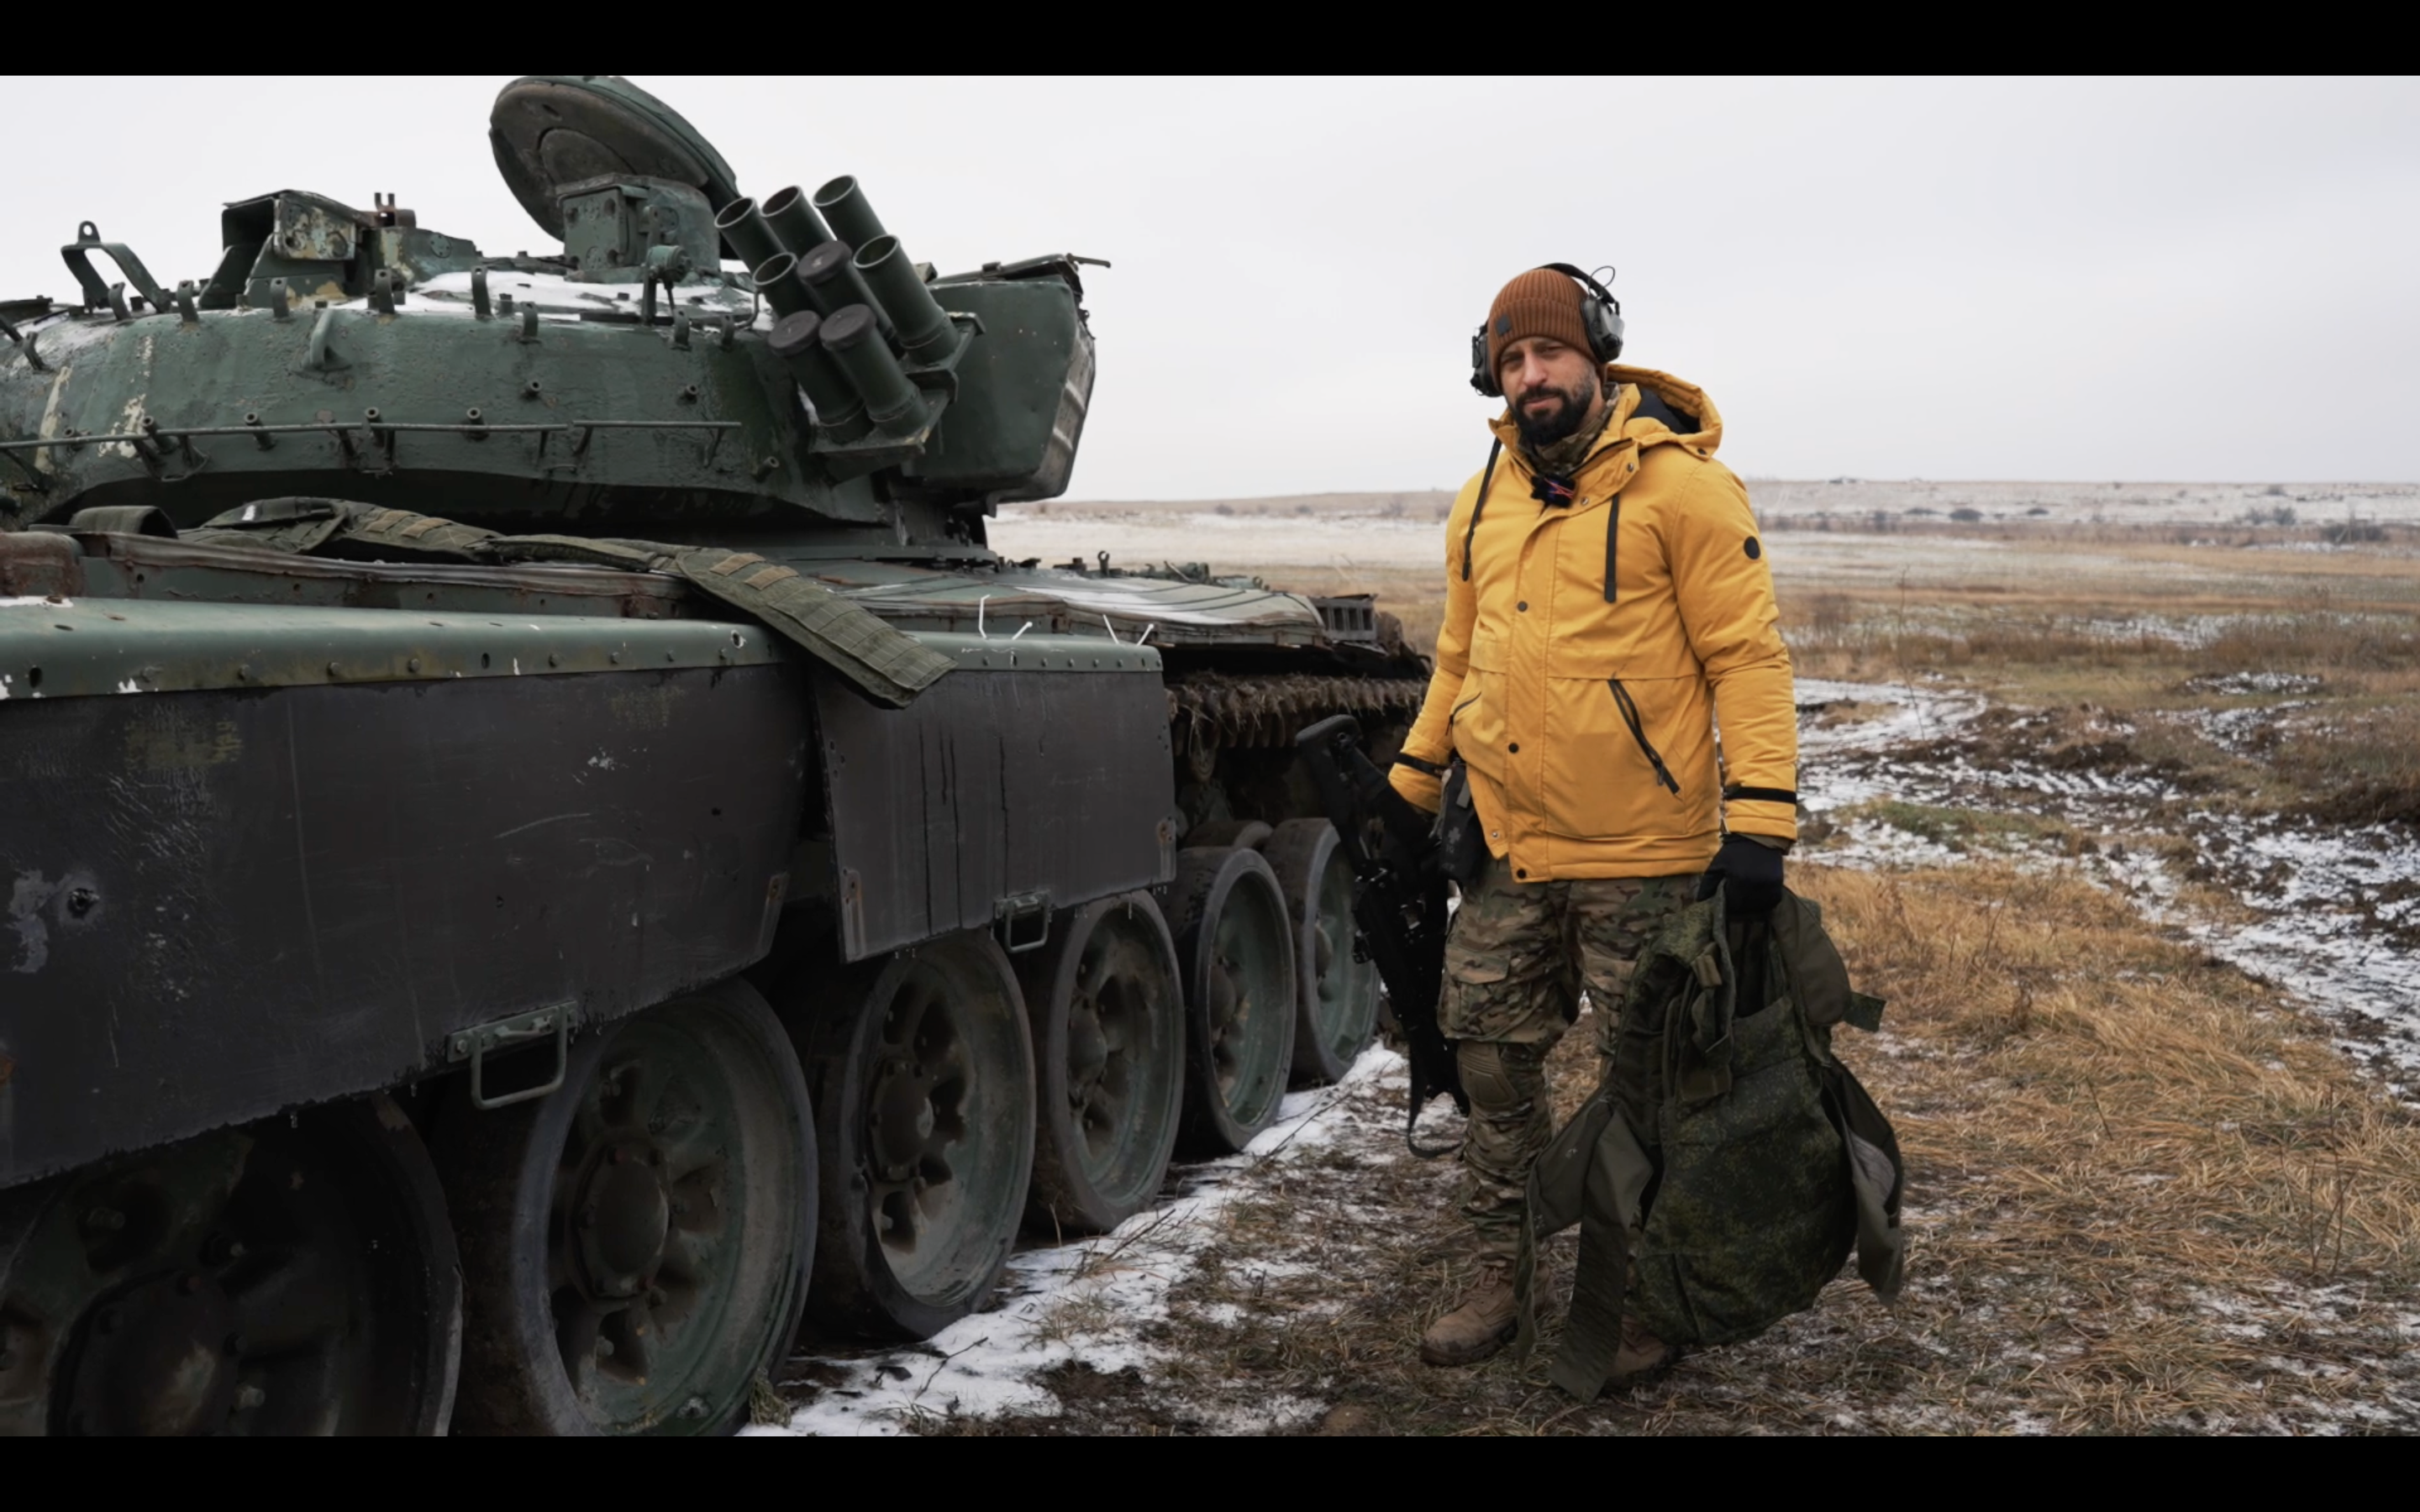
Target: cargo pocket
1502,960
1660,744
1631,720
1615,760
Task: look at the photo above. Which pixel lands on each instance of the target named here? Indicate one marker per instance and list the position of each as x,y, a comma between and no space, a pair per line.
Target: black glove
1749,874
1409,824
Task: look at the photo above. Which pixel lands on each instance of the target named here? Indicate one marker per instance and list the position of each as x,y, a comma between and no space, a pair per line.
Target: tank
546,852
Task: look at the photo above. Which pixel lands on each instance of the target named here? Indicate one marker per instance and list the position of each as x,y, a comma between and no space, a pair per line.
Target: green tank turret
547,847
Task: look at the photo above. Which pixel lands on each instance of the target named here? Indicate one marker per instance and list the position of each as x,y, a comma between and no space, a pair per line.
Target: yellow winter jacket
1555,691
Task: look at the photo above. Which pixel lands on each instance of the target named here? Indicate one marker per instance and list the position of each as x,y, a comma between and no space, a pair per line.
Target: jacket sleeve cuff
1418,788
1761,820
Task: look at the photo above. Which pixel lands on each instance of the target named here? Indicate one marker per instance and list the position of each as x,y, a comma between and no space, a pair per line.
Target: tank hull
223,904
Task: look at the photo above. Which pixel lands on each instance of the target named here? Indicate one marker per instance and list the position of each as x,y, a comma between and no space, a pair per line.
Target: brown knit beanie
1539,303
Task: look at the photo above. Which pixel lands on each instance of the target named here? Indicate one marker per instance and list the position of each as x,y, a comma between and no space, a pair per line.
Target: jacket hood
1678,413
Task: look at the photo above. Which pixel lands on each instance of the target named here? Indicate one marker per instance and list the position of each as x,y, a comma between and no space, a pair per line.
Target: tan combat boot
1483,1324
1642,1356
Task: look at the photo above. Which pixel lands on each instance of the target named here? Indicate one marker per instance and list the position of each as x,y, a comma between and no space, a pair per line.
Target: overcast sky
2207,281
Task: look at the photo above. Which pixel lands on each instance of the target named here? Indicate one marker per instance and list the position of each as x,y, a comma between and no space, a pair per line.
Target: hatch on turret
553,132
622,230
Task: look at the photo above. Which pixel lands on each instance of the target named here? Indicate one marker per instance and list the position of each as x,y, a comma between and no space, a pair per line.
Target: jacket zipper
1621,700
1459,707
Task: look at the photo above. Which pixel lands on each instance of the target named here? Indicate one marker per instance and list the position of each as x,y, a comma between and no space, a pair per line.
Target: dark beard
1536,434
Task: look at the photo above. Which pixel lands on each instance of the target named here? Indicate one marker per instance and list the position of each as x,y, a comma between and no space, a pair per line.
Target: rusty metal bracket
37,563
24,344
321,357
474,1045
78,257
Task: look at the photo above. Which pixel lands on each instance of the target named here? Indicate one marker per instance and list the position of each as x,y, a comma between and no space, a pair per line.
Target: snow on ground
2237,684
1833,771
2334,913
2339,926
2240,730
1087,1302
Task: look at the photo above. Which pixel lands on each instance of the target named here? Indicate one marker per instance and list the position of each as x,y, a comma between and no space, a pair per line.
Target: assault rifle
1398,904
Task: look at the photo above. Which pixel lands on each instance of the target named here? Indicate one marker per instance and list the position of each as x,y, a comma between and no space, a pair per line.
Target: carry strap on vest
1595,1174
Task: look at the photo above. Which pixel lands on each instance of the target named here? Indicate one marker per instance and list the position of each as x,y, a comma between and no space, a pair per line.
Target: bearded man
1609,607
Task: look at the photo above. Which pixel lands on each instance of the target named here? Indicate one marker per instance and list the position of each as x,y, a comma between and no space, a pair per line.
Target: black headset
1600,313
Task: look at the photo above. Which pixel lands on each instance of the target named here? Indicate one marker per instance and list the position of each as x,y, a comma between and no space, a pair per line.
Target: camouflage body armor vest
1728,1163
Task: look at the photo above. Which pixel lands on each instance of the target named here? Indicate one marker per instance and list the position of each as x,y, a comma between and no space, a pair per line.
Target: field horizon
2016,500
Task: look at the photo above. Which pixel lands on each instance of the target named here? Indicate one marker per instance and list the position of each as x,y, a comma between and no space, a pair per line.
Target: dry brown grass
2142,1138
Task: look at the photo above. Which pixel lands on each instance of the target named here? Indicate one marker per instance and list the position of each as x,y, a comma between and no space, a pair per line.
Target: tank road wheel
1337,996
634,1243
295,1276
1233,935
923,1076
1109,1055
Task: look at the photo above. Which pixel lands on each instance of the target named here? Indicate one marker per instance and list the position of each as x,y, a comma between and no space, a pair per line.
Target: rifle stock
1399,913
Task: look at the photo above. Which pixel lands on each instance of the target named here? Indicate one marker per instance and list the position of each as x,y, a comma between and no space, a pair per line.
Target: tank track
1230,711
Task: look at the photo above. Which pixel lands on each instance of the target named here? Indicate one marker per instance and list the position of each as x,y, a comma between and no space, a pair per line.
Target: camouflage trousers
1517,958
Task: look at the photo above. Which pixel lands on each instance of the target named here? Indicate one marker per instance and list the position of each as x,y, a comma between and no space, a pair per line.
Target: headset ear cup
1605,332
1483,374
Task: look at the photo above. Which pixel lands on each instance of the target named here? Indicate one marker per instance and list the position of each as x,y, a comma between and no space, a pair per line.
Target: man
1608,607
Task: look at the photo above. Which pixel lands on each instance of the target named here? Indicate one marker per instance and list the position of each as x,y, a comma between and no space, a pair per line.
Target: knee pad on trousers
1499,1076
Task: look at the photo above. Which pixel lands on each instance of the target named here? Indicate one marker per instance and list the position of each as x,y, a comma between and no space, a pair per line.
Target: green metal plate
83,647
